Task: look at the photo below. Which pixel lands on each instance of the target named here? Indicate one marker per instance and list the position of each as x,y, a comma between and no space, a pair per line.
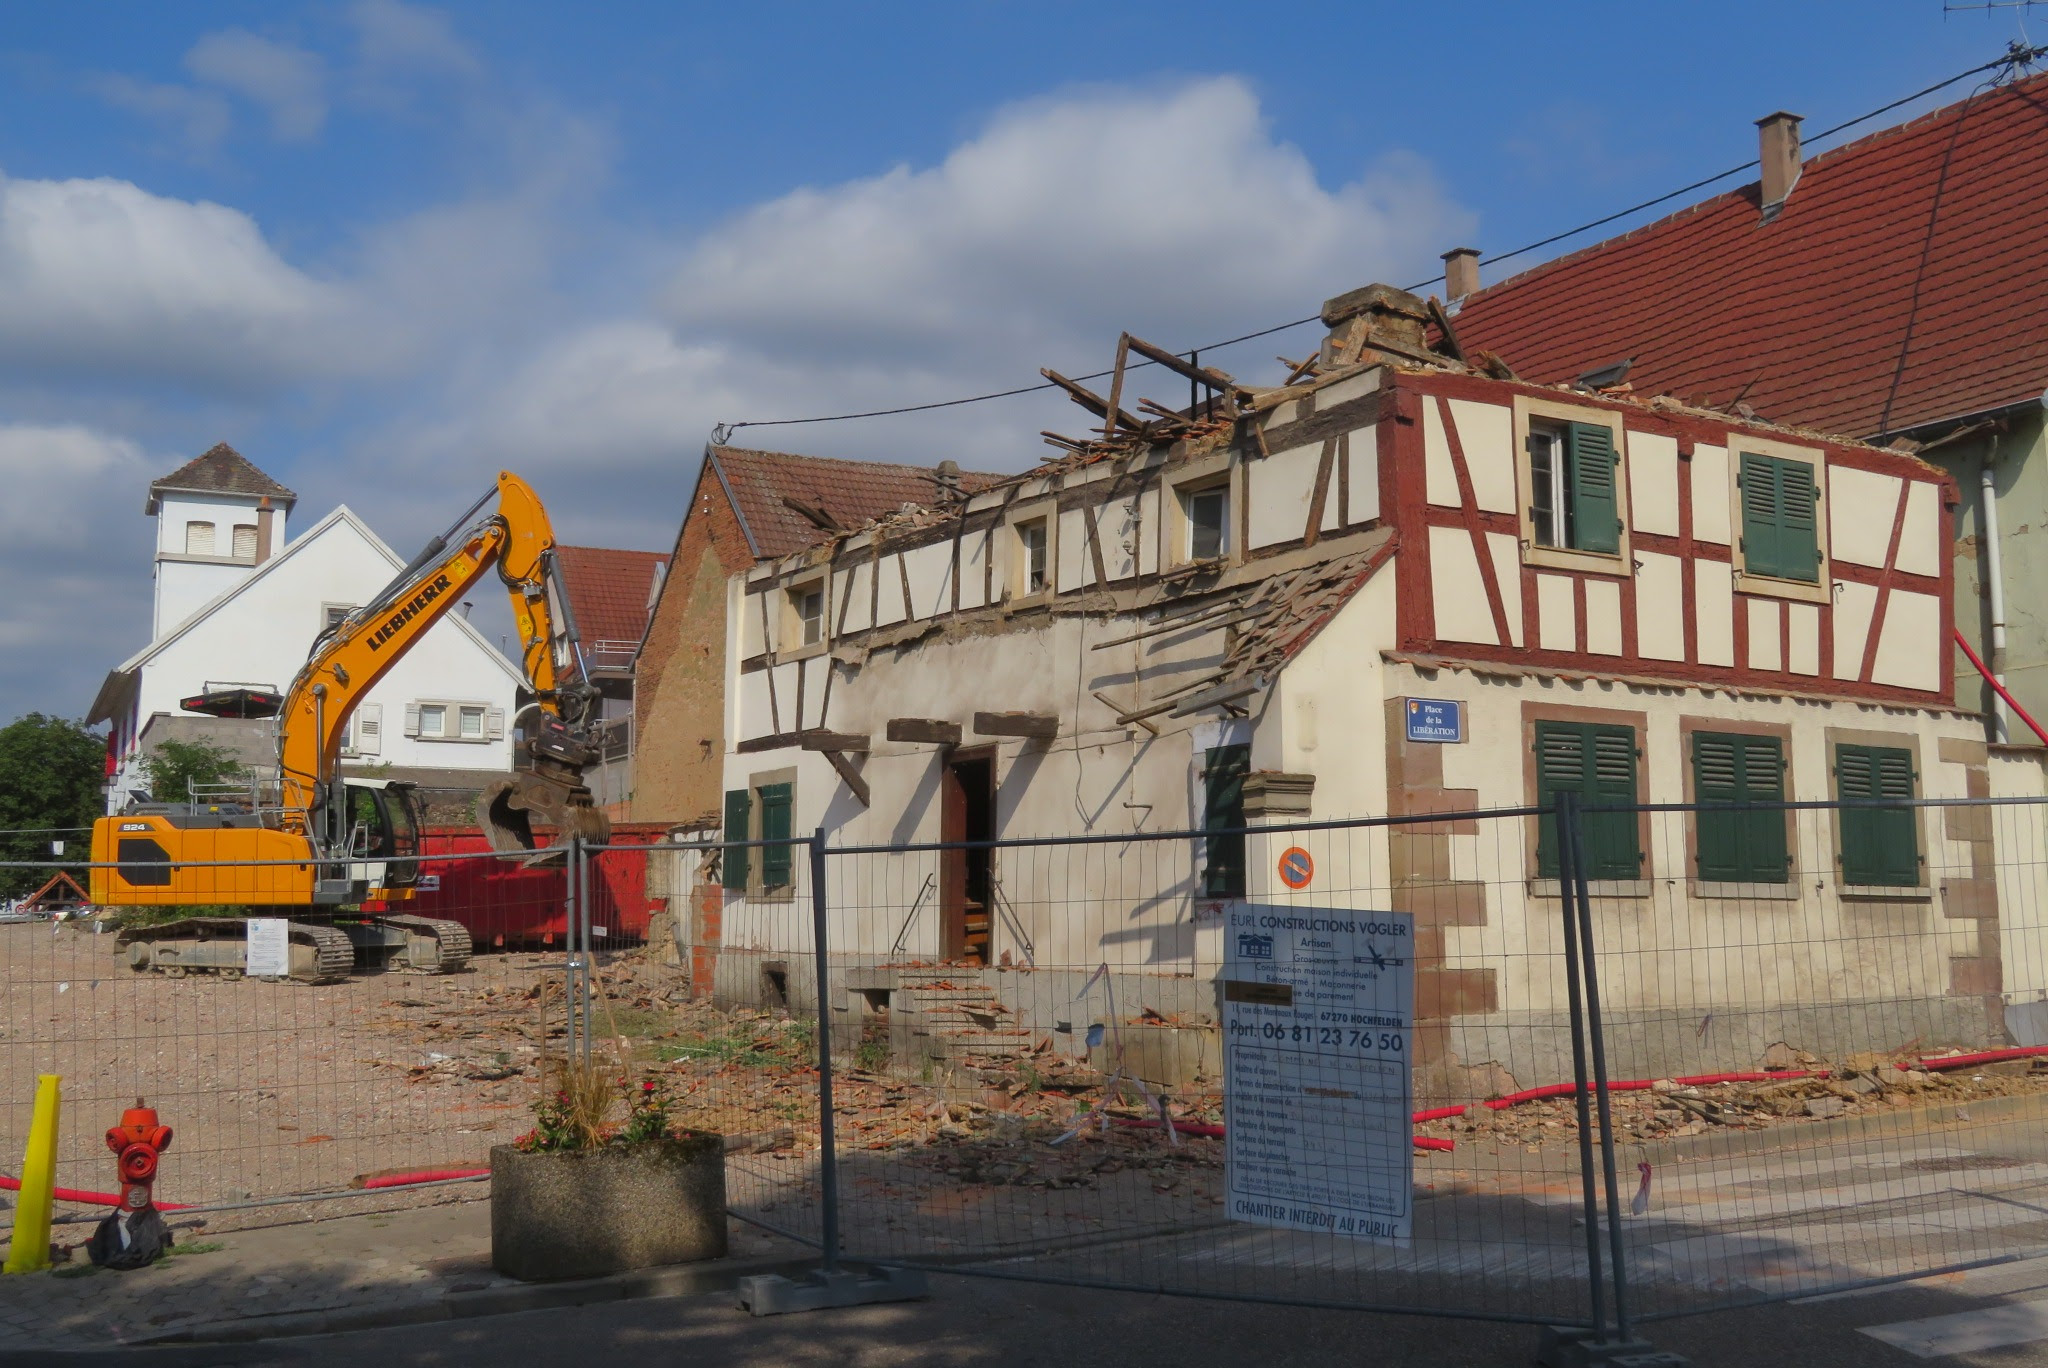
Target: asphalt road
983,1323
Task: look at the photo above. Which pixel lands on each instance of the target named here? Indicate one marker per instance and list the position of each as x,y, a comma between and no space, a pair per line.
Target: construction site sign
268,952
1318,1005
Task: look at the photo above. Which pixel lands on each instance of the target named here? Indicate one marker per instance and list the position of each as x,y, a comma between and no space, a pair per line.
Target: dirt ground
287,1089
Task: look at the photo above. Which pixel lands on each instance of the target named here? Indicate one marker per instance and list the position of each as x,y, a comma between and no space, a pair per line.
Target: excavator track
433,945
218,946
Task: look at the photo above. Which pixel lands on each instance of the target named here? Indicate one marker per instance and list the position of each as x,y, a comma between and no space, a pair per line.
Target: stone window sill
1597,888
1879,893
1787,891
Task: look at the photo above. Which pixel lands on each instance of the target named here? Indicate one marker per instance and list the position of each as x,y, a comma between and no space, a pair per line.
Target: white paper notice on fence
1317,1009
269,948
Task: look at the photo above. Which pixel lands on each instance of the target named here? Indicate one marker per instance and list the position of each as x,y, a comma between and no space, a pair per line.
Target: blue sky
386,248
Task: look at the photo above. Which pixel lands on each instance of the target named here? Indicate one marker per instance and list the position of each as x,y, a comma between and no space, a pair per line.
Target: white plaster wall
1908,644
1660,606
1440,477
1486,434
1709,493
1920,539
1854,605
1714,612
1557,613
1458,594
1860,520
1764,642
1603,616
1279,492
1653,482
264,635
1362,496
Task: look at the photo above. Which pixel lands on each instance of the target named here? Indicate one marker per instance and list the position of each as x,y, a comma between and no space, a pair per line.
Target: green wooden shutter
1780,523
1599,764
1740,846
1612,851
1880,845
1223,806
775,826
1596,515
739,809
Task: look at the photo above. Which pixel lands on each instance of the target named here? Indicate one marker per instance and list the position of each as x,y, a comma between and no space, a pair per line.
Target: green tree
176,765
51,773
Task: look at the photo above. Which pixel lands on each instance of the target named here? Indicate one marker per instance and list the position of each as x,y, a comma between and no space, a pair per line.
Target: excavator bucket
509,809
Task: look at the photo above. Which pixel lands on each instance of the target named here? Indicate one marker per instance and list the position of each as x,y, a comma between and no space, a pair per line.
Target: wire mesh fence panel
722,1009
395,1041
1818,1024
1036,1036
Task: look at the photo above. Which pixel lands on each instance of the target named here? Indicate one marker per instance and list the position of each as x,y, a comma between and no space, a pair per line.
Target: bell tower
218,517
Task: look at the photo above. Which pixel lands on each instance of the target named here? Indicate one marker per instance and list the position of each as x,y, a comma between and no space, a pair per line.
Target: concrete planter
583,1215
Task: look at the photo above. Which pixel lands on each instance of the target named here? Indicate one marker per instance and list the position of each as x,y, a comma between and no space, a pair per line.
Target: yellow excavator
316,847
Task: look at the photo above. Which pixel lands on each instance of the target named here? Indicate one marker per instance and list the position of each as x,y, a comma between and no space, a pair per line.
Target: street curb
680,1280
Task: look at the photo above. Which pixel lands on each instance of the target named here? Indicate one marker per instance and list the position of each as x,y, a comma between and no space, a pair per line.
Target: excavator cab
383,835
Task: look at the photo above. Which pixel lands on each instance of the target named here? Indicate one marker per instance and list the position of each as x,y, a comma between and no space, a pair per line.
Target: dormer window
198,538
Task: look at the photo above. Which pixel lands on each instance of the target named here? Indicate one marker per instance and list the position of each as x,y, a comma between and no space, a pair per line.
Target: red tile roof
221,469
609,593
849,492
1906,281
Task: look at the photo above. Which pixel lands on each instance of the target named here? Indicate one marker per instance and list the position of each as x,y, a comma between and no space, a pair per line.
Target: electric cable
2014,57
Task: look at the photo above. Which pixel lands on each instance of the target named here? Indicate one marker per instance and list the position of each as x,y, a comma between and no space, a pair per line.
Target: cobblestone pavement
382,1269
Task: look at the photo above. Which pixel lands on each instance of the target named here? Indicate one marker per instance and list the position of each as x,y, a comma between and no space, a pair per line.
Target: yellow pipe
30,1250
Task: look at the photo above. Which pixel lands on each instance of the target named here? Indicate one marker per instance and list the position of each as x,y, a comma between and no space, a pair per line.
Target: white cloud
1173,212
74,501
391,33
100,277
194,120
287,81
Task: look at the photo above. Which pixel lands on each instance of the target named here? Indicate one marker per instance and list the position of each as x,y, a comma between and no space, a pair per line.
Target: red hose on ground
1437,1114
1964,1061
1999,688
1639,1084
392,1180
92,1198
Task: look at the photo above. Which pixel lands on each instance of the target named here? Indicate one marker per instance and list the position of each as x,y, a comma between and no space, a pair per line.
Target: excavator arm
354,655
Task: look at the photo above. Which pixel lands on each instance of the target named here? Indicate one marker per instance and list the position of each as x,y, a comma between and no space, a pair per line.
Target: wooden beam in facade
818,740
932,730
852,776
1033,726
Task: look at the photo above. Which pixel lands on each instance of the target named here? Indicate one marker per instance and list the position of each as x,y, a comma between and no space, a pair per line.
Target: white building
238,602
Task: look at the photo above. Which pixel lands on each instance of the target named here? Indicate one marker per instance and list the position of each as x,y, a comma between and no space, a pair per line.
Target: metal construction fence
1626,1063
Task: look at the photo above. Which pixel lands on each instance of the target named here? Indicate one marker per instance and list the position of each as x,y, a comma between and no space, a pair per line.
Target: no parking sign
1296,868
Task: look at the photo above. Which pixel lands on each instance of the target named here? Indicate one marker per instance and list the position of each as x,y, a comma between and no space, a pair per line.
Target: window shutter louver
1740,846
370,729
1599,764
775,826
738,807
1596,510
412,719
494,724
1880,846
1780,524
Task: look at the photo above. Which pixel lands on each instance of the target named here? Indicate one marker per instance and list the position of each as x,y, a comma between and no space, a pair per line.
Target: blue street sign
1436,719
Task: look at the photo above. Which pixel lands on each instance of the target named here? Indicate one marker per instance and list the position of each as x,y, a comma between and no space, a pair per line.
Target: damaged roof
787,503
1905,282
220,469
610,591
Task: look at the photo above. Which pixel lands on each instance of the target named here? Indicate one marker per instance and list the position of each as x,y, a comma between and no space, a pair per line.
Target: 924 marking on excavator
411,610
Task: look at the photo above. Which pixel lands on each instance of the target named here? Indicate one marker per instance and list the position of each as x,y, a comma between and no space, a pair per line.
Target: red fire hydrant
138,1142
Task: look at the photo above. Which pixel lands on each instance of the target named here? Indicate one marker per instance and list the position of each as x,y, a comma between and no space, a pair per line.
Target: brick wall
679,684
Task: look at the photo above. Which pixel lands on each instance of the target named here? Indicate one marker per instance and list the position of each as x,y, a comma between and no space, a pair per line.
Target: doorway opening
967,812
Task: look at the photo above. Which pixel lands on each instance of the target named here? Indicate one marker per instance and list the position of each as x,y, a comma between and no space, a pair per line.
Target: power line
2015,56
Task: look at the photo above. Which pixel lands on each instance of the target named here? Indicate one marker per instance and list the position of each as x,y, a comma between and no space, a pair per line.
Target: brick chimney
1461,273
1778,152
266,523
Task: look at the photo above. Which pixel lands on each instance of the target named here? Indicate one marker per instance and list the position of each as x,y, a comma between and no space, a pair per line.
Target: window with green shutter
1574,492
776,801
1741,844
739,811
1780,518
1222,807
1880,845
1597,762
